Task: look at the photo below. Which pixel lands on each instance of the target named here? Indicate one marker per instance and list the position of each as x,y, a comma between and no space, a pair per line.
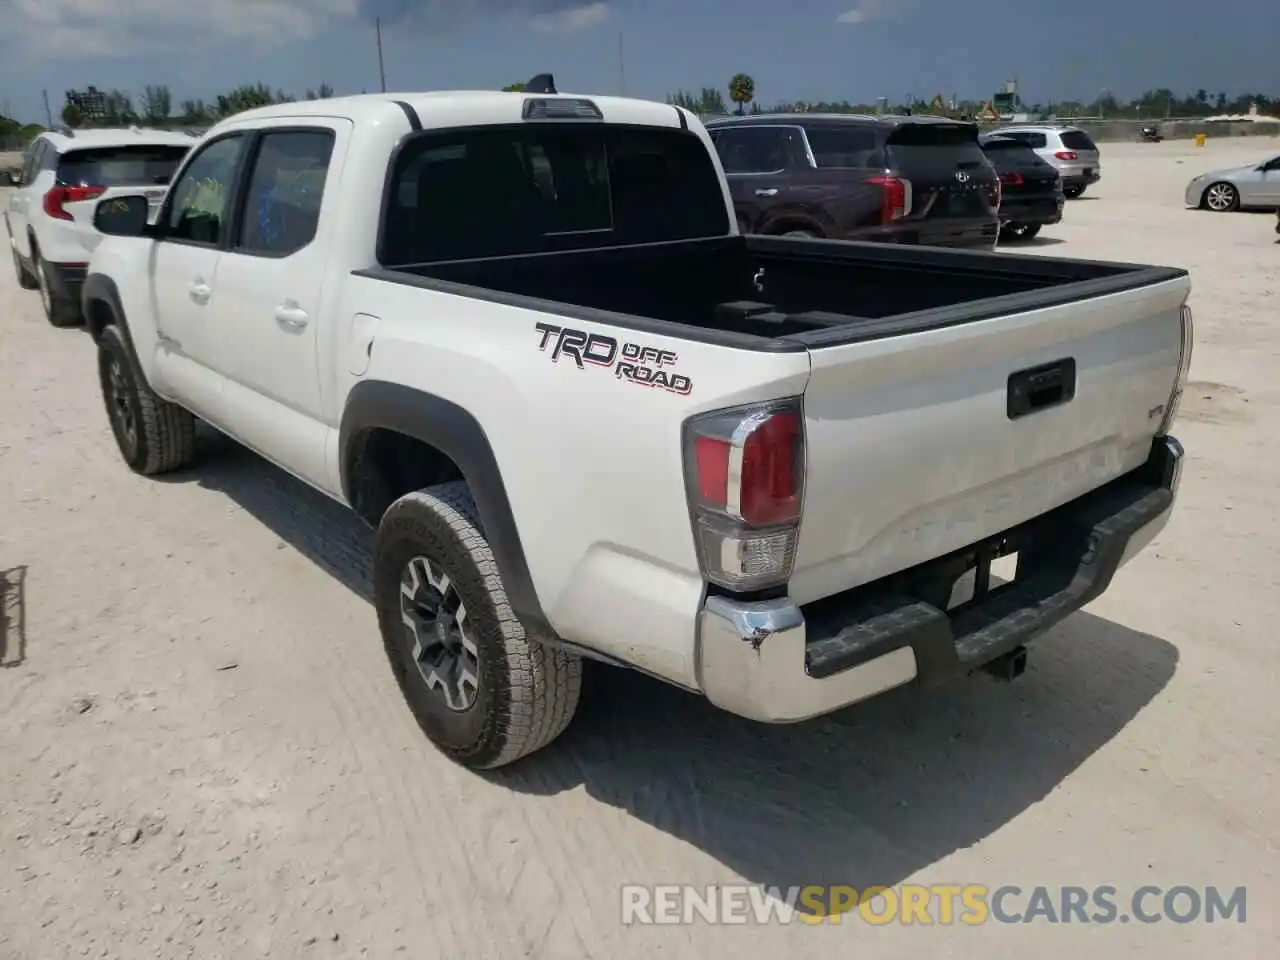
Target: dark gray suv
897,179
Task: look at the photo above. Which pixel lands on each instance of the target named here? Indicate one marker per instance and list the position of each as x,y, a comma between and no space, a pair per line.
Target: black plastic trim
684,120
415,122
376,404
1070,554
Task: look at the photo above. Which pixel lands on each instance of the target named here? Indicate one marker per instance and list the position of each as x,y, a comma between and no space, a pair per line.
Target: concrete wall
1110,131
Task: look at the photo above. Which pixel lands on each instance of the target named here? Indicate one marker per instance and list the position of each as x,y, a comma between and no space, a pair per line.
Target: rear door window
501,191
1078,140
286,189
125,166
758,149
847,147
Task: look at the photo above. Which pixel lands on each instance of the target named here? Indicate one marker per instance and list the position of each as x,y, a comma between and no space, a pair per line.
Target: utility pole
382,72
622,69
48,114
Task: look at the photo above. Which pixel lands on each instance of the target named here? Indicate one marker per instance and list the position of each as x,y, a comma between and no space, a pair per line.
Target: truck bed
781,294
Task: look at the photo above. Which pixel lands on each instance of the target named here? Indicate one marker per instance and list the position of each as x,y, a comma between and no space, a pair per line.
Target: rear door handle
290,316
767,192
200,292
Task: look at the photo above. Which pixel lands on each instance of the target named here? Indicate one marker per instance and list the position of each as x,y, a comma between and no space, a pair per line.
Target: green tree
323,92
513,88
72,116
742,91
156,104
246,97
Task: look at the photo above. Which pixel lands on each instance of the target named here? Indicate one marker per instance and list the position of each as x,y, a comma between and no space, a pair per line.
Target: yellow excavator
938,107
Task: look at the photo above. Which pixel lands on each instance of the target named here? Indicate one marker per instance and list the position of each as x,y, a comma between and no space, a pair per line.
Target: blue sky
801,50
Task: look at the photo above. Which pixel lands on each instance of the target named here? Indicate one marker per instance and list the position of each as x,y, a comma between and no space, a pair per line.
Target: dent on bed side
376,411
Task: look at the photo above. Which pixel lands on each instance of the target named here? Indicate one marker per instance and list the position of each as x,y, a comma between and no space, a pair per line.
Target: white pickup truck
520,335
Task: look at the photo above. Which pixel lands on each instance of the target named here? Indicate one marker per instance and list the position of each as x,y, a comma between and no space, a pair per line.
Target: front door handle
200,292
290,316
767,192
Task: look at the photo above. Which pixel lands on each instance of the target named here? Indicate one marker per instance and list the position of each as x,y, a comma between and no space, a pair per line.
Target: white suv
64,174
1070,150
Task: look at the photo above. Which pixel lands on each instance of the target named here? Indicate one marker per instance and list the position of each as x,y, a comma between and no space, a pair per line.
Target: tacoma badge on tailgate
630,361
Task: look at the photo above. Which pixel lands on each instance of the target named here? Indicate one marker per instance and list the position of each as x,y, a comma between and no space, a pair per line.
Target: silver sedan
1253,185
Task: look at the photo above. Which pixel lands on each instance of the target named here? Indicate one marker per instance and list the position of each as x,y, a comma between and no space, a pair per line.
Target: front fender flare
447,427
100,288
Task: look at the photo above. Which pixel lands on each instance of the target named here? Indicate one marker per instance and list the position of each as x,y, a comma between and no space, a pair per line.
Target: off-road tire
60,311
527,692
25,280
801,234
163,437
1073,192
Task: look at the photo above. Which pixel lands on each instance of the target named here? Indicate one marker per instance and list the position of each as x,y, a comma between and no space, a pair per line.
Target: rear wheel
801,234
481,690
1073,191
1221,197
60,310
154,436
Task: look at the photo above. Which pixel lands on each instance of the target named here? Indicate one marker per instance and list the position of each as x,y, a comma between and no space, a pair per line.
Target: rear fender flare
447,427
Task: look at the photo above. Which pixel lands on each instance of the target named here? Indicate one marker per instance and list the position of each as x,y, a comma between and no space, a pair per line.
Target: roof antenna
542,83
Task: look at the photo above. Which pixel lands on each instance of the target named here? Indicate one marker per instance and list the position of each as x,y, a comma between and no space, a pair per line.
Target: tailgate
949,174
915,450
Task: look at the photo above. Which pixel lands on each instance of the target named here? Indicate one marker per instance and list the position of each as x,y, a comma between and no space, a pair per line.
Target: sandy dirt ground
203,752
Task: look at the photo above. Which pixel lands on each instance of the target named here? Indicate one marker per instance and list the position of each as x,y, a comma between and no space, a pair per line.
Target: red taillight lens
57,196
1011,179
895,196
746,481
1067,155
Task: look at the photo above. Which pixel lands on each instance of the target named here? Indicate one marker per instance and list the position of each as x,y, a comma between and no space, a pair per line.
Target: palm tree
742,90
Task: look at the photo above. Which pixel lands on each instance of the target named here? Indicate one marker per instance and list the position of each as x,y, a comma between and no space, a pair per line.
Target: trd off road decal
632,362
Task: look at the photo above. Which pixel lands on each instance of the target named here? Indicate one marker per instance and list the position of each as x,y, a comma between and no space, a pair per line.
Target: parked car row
900,179
49,218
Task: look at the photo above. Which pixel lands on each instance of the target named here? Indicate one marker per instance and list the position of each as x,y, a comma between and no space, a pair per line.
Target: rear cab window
1078,140
124,166
491,191
1011,153
1036,141
932,148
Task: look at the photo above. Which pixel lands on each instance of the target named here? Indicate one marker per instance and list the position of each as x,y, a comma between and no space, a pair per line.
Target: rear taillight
745,478
1184,368
1011,179
1067,155
895,197
57,196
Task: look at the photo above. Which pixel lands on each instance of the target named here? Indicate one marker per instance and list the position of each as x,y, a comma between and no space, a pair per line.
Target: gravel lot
203,752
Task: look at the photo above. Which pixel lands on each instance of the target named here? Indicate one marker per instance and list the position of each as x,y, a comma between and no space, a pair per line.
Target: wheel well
386,465
783,226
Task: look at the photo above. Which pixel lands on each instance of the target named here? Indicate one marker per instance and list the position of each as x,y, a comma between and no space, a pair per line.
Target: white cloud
868,11
570,20
119,28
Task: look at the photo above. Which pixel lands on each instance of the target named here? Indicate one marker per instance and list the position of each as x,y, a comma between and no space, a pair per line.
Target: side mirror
15,177
122,216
